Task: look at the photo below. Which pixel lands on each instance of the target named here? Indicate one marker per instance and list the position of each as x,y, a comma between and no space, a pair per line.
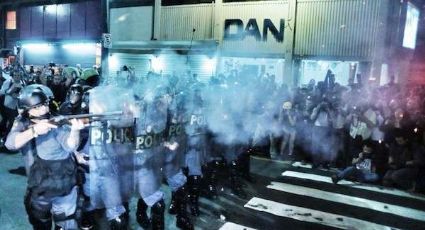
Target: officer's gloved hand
171,146
42,127
82,158
76,124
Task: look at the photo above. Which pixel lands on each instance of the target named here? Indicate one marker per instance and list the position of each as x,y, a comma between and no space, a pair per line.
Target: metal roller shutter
201,65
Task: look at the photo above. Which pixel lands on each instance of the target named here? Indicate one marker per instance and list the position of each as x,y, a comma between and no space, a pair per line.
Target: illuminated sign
411,27
234,29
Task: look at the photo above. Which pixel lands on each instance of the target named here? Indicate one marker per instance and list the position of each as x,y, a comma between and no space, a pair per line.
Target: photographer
322,123
10,89
287,121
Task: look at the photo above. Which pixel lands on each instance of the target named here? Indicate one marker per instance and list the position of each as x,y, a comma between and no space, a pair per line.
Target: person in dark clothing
363,168
404,162
59,89
10,89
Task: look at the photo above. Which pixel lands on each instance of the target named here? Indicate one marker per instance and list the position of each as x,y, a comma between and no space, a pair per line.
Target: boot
87,220
210,179
127,210
157,214
173,204
119,223
193,182
235,180
141,216
182,220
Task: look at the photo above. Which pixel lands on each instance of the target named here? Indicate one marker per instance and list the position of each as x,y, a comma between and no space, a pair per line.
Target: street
285,195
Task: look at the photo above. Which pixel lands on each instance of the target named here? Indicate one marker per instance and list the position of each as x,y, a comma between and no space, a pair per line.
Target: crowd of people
146,129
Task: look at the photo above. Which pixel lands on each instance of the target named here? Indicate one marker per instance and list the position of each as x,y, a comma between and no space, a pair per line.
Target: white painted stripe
233,226
326,179
311,215
302,165
353,201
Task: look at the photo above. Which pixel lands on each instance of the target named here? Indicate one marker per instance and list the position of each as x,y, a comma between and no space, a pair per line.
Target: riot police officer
196,131
110,148
51,192
174,160
150,126
72,105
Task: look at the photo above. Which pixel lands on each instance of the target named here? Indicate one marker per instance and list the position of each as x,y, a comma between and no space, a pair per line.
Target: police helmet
46,90
76,91
32,98
90,77
76,88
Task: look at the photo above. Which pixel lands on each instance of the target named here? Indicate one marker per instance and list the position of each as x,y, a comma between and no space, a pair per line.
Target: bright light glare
60,10
209,65
51,9
80,47
157,64
411,27
113,62
37,47
123,17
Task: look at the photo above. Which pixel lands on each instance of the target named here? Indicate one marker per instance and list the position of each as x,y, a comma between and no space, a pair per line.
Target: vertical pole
289,40
104,4
157,20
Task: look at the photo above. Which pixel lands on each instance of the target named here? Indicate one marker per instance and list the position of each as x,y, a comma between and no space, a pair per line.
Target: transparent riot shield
110,147
175,150
148,150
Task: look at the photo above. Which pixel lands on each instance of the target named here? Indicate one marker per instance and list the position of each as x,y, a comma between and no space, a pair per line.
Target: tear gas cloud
236,108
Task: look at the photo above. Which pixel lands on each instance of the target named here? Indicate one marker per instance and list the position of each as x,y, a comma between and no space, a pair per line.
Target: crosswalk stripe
311,215
233,226
353,201
302,165
326,179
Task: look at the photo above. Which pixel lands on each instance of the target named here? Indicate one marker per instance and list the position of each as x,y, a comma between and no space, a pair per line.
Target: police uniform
150,129
51,178
174,161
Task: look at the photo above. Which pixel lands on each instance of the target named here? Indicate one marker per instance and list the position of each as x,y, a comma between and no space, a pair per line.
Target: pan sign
236,30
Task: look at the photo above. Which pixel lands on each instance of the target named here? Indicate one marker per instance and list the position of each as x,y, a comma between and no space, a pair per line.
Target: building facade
62,32
294,40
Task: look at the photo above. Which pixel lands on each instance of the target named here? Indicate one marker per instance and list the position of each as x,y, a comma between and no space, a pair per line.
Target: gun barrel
58,119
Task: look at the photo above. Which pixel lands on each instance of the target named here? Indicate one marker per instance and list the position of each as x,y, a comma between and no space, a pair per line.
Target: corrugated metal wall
274,10
173,64
339,28
177,22
123,22
141,64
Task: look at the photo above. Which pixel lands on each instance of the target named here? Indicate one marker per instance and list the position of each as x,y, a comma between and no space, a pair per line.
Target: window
11,20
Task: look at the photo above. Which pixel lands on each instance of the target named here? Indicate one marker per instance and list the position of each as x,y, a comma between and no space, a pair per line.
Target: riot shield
110,147
150,128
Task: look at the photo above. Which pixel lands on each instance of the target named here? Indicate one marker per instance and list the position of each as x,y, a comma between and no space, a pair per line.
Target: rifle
64,119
